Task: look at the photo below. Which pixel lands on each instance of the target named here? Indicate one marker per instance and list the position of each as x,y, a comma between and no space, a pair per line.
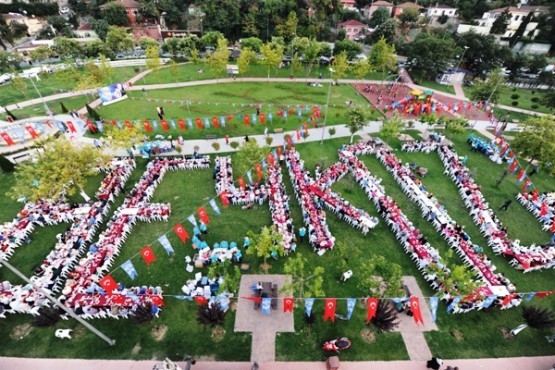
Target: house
348,4
369,10
518,15
353,28
152,31
398,9
131,7
438,10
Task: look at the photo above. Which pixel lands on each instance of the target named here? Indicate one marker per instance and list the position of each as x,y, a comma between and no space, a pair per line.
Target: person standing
435,363
302,233
159,112
227,139
505,205
247,138
266,131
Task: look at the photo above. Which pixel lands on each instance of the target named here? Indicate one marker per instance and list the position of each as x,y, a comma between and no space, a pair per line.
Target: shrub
514,88
515,96
514,103
48,316
93,115
216,146
6,165
179,149
143,313
533,92
332,131
535,99
210,315
269,140
234,144
534,106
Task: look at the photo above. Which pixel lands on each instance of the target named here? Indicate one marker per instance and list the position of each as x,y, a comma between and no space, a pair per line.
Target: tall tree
489,89
153,61
409,15
100,27
118,39
115,14
392,127
248,155
265,243
122,138
431,54
382,57
483,52
272,55
379,17
500,24
304,282
246,58
288,29
253,43
219,58
351,48
41,53
381,278
311,54
361,68
62,168
146,42
356,120
385,30
67,48
340,66
537,142
20,85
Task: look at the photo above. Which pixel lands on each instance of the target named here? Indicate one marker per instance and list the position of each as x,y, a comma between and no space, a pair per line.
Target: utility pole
58,304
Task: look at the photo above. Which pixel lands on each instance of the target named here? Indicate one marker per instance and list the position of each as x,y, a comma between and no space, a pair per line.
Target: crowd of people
244,195
279,207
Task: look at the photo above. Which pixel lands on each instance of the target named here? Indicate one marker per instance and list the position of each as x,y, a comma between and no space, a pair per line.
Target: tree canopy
537,142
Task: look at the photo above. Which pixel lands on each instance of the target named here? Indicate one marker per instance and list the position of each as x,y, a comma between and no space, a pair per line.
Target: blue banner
351,302
128,267
166,244
308,303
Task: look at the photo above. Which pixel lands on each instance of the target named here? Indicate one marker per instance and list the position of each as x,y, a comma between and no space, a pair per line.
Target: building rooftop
525,9
381,3
441,6
351,23
409,5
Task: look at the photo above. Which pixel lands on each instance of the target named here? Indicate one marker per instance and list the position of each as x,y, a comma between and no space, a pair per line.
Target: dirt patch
218,334
159,332
265,267
136,349
459,337
78,332
368,335
176,197
21,331
506,333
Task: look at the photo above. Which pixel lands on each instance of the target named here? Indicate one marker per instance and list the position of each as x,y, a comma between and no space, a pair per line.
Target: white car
64,10
5,78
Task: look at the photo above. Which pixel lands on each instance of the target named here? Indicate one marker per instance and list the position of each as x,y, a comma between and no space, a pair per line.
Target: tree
340,66
409,15
61,169
219,58
386,316
9,60
382,57
172,67
93,115
122,138
500,24
304,282
41,53
105,69
351,48
211,314
288,29
356,120
490,89
211,38
246,58
311,54
272,55
6,165
537,142
385,30
100,27
67,48
483,52
118,39
153,61
361,68
536,318
148,11
20,85
252,43
248,155
379,17
265,243
381,278
431,54
392,127
146,42
115,14
341,35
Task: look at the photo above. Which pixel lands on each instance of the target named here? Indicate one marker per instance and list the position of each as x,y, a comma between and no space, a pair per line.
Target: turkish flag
415,307
255,299
181,123
247,120
91,127
520,175
223,197
535,195
372,305
200,300
128,124
32,131
504,149
199,123
241,183
108,284
148,255
545,294
329,312
258,171
525,185
165,126
262,118
71,126
229,117
279,151
181,232
280,113
117,298
7,138
288,304
148,128
289,142
114,123
513,166
203,216
552,227
543,210
271,159
509,298
215,122
157,300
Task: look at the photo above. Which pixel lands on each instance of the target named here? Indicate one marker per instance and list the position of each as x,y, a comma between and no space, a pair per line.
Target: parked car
64,10
5,78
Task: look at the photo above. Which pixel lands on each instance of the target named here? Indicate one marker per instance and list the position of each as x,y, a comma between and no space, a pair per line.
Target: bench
211,137
278,131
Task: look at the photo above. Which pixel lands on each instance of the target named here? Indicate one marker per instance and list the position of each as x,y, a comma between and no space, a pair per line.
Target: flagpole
57,303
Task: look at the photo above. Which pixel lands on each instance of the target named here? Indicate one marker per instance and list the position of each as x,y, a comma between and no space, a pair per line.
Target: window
516,17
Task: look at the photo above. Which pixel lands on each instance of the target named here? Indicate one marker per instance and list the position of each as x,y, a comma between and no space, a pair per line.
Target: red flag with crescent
543,210
203,215
108,284
525,185
545,294
255,299
224,199
148,128
200,300
215,122
91,127
288,141
535,195
271,159
199,123
246,119
148,255
7,138
181,232
298,134
279,151
165,126
372,305
32,131
329,311
513,165
181,124
288,304
128,124
229,117
71,126
520,175
262,118
157,300
415,308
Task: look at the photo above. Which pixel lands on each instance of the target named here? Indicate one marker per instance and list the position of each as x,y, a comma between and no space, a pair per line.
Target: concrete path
263,327
459,92
510,363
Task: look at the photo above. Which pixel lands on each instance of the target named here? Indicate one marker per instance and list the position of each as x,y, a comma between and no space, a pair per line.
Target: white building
518,15
438,10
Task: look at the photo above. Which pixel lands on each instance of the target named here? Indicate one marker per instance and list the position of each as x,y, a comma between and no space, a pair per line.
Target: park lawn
512,116
189,72
417,77
525,99
188,190
75,102
236,98
49,84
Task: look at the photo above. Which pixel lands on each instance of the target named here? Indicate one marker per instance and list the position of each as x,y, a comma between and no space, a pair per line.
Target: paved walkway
459,92
263,327
509,363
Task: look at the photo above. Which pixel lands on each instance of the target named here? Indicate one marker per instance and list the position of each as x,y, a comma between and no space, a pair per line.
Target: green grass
219,100
418,79
188,190
76,102
525,99
501,113
188,72
50,85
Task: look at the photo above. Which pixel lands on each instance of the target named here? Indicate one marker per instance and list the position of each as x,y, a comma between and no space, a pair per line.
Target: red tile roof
351,23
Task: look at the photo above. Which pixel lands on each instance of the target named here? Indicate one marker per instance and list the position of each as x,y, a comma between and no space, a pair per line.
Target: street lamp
189,361
38,92
462,56
327,106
